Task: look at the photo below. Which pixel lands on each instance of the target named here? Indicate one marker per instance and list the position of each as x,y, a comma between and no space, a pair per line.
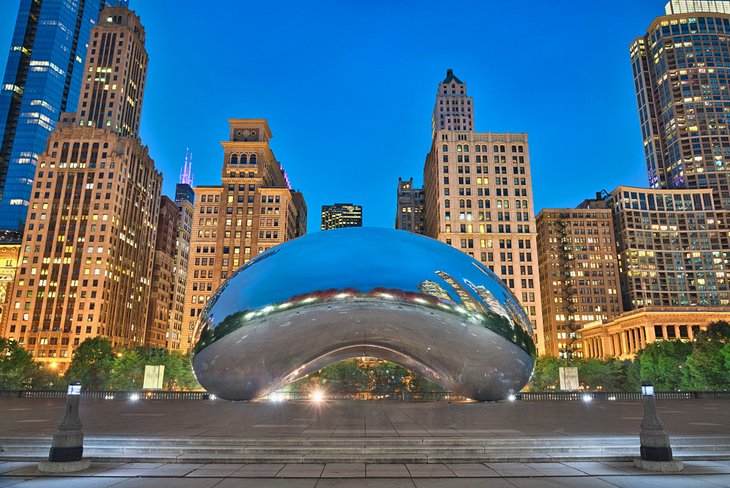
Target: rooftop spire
186,173
451,77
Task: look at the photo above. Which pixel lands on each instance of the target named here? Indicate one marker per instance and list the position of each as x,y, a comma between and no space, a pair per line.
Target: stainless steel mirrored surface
354,292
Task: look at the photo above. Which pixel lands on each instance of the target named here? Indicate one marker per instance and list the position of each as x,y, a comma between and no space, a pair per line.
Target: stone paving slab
700,474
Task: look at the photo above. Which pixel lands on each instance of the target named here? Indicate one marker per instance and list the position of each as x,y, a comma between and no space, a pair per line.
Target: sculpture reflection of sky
365,263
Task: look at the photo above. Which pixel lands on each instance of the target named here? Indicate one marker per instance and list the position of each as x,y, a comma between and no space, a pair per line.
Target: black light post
656,452
67,448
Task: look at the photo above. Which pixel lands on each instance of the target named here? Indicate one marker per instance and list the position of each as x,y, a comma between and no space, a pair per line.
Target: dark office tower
340,215
42,79
409,213
89,243
682,78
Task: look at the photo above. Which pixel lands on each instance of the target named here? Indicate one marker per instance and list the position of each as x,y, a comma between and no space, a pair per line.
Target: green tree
179,372
633,375
16,366
604,374
545,376
662,363
92,364
718,331
705,367
128,370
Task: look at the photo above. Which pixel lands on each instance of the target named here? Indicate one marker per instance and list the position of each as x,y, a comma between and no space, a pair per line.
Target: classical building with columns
624,336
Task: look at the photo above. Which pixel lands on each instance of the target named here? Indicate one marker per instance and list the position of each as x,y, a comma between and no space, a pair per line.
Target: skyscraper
579,279
671,249
478,196
340,215
162,288
409,213
88,253
682,80
252,210
42,78
178,336
454,110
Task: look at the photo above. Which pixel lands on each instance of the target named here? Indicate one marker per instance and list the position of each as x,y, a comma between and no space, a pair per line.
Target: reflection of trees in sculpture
364,375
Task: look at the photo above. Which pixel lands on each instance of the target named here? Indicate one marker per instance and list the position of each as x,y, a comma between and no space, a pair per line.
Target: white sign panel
153,377
568,378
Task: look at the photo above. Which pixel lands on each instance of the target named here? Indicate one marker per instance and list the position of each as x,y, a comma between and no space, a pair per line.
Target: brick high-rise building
42,79
88,249
340,215
478,196
162,298
409,212
252,210
579,279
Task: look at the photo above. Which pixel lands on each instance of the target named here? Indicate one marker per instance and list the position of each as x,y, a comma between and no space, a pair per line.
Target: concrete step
363,449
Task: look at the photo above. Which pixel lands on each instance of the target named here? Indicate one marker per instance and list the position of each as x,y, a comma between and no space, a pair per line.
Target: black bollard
656,452
67,448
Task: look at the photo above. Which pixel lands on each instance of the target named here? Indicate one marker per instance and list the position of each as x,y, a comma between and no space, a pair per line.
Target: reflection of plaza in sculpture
363,292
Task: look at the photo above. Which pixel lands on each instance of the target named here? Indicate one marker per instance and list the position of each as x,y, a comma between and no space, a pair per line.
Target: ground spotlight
212,397
512,398
317,396
277,397
586,397
134,397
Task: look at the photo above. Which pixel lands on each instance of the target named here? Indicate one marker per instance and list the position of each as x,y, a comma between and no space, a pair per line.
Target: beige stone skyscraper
87,257
253,210
478,196
579,278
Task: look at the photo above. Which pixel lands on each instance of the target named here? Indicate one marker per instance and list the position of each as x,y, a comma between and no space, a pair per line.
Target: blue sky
348,88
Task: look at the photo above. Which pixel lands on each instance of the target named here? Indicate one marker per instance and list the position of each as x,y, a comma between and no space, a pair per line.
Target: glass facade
42,78
682,78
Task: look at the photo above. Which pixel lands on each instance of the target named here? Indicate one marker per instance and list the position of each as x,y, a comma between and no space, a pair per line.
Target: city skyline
395,72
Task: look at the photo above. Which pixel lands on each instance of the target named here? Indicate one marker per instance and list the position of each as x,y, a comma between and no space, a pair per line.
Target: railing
375,395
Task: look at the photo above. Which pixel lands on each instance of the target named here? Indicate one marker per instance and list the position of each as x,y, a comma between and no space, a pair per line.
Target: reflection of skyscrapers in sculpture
91,226
489,299
467,300
478,196
428,287
42,79
251,211
341,215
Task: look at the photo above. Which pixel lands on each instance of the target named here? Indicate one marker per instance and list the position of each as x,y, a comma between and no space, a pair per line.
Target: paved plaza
504,423
218,418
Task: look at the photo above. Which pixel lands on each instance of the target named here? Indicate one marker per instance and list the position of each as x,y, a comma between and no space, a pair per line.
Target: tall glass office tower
682,78
42,78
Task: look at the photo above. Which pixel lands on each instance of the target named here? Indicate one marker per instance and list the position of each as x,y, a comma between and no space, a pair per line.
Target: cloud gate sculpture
346,293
